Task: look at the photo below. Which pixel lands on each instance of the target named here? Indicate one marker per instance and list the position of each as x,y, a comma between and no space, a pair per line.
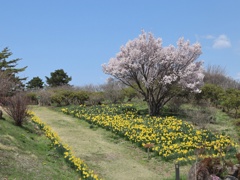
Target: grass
108,155
224,123
26,154
182,177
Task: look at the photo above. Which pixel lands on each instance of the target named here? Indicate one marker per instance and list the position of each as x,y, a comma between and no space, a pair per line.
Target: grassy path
109,156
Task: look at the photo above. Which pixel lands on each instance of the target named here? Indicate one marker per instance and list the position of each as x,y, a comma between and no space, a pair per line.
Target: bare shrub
5,86
90,88
16,107
96,98
215,74
44,97
5,83
113,91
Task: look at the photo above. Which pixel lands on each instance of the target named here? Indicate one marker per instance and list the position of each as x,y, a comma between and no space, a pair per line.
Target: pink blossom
153,68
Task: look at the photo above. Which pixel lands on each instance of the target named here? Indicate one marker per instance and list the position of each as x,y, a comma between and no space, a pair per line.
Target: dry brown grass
111,157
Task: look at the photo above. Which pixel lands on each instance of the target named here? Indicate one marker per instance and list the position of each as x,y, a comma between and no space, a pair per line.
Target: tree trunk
1,114
236,113
153,109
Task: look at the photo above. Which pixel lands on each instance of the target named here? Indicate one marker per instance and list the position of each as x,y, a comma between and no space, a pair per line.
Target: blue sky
78,36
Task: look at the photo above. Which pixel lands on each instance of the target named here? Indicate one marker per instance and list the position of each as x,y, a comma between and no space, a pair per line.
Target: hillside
110,156
25,151
26,154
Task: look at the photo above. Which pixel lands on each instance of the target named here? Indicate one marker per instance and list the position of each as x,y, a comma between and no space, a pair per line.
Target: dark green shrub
213,93
57,98
231,101
79,97
64,97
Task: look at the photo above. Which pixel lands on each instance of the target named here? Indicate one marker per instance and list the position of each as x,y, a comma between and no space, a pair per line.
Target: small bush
57,98
79,97
64,97
96,98
16,107
33,98
44,97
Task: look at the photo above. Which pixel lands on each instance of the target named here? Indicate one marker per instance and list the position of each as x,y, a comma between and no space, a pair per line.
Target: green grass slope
26,154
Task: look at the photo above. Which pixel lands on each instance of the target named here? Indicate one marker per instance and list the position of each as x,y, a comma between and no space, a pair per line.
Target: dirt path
111,159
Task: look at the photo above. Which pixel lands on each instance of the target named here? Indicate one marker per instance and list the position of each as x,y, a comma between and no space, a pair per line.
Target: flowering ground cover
64,149
173,138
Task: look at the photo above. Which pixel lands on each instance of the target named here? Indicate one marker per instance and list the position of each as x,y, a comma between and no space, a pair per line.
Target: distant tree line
221,91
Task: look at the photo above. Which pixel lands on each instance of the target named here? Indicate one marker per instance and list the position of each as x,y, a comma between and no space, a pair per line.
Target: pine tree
58,78
9,69
35,83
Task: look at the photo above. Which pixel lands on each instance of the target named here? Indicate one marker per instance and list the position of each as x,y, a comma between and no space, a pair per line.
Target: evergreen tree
10,71
35,83
58,78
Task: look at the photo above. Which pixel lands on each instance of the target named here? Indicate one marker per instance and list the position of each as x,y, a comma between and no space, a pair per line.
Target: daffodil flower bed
64,149
173,138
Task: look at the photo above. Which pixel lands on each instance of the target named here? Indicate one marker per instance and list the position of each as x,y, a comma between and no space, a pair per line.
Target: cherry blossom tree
158,73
